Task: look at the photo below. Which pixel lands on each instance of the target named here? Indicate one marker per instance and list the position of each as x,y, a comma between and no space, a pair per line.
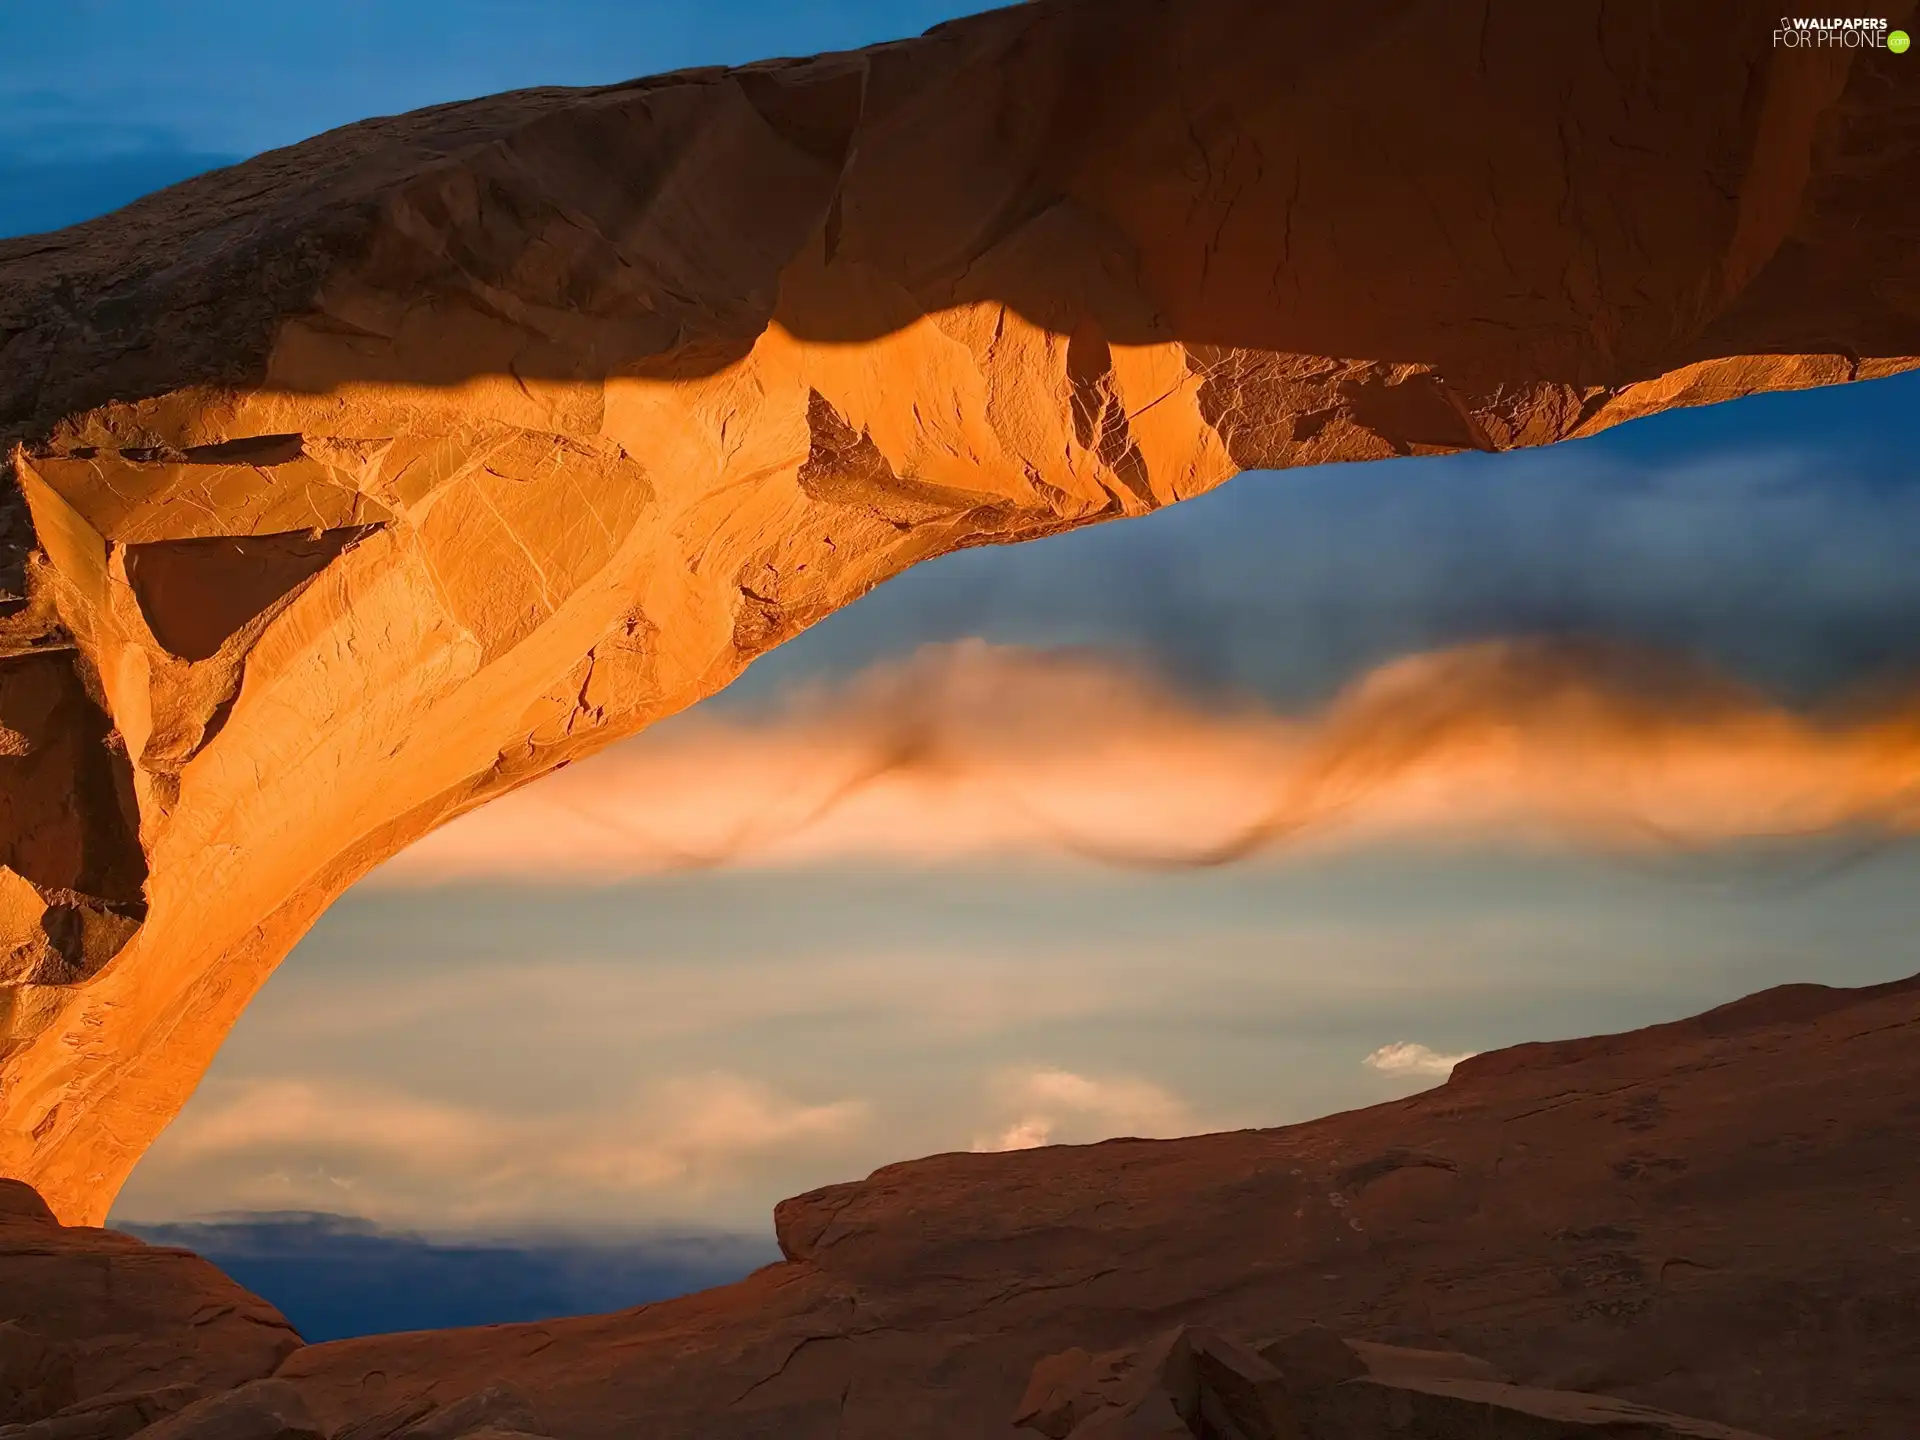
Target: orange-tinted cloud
1050,1106
400,1158
971,751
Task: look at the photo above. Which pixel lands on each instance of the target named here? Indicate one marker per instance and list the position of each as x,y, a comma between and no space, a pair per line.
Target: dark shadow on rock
1512,200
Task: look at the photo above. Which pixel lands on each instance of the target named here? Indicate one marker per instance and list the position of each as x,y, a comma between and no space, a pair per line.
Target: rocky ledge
1714,1217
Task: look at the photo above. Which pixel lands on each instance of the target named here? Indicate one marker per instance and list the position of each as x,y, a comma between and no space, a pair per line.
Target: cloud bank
284,1142
973,750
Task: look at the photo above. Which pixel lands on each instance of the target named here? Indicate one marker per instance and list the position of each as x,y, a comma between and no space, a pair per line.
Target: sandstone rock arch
358,484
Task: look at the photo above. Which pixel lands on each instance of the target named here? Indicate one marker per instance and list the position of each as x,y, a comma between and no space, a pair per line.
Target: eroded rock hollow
360,483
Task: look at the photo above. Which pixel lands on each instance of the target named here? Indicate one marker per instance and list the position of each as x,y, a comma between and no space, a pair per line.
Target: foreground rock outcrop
102,1335
1719,1218
1716,1218
358,484
1197,1384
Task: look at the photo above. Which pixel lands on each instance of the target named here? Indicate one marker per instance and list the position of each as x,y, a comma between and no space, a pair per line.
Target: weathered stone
36,1375
1436,1409
1397,1362
126,1320
259,1410
1197,1384
1761,1275
1063,1390
112,1416
1312,1358
355,485
498,1407
1204,1383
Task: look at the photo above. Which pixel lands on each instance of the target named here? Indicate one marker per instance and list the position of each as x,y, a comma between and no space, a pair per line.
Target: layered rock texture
365,481
1197,1384
1719,1218
102,1335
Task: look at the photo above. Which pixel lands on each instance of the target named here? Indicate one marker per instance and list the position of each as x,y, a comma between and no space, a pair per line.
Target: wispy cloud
694,1130
266,1114
1405,1058
277,1143
973,750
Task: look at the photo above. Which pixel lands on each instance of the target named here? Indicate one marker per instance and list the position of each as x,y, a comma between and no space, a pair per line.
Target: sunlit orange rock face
365,481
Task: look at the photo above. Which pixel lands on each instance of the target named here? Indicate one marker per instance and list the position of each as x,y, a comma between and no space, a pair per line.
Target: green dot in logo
1897,41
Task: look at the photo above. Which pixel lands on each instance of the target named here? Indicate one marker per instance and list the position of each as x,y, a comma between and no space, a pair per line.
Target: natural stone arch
358,484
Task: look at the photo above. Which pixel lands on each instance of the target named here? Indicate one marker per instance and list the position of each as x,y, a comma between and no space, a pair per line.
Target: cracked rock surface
1193,1383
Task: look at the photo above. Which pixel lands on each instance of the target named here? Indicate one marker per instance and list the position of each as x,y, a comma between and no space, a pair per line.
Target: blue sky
103,100
235,77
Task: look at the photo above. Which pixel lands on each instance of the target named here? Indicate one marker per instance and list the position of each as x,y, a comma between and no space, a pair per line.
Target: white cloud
1403,1058
695,1128
270,1114
1028,1134
1052,1106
